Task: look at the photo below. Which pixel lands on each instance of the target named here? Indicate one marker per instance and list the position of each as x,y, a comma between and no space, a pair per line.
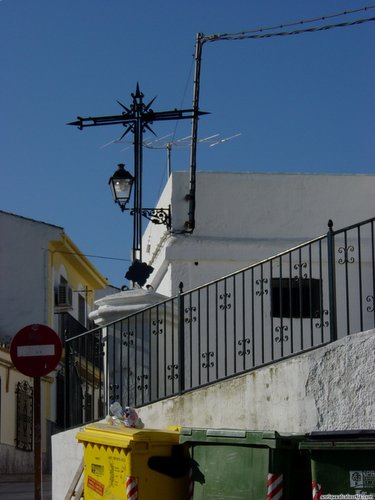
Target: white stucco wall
24,272
330,388
242,218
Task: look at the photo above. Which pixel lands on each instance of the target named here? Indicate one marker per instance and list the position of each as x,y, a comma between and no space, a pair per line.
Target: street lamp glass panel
121,184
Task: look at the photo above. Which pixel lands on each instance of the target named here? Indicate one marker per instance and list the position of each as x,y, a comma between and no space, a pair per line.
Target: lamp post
121,184
136,118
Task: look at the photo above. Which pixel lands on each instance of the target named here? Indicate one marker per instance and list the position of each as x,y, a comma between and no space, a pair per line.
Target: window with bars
296,298
24,416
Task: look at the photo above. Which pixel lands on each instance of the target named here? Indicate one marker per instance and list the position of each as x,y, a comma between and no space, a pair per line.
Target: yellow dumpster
127,463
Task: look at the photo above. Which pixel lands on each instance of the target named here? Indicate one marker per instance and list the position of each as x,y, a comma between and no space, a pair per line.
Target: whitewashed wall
242,218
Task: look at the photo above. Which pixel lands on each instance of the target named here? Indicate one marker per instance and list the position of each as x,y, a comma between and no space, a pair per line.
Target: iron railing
300,299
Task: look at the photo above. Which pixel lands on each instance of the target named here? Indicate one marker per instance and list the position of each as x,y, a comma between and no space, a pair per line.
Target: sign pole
37,442
35,351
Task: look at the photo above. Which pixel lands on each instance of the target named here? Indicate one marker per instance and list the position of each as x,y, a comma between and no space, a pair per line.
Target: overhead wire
188,78
260,31
92,256
213,38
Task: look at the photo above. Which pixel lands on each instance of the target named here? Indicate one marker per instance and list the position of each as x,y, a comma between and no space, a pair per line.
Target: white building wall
242,218
23,270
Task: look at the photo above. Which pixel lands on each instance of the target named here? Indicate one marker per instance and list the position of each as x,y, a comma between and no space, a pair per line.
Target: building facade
45,279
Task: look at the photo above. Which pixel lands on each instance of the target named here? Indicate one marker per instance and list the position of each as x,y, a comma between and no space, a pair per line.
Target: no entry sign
36,350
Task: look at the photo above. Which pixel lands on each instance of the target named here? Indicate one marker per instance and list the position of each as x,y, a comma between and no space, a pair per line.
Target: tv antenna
166,143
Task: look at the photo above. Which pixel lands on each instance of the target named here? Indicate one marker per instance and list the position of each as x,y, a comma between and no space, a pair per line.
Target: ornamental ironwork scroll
128,338
371,307
322,324
173,369
346,259
189,311
142,382
157,323
114,394
155,215
300,266
224,297
244,351
207,356
261,283
282,337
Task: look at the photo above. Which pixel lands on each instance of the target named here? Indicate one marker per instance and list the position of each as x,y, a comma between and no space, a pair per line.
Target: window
25,424
295,298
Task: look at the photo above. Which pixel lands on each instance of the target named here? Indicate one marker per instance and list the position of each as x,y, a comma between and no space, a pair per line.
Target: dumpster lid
271,439
343,434
122,437
340,439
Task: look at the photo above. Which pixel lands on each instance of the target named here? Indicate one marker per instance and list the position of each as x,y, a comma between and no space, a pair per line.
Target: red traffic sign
36,350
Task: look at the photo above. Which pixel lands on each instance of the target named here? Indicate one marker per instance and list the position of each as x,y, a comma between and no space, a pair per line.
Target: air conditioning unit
63,296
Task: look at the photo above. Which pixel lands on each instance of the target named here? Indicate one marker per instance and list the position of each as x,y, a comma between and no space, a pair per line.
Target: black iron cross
137,118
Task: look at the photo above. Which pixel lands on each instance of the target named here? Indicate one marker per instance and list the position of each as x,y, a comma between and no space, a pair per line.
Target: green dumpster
246,465
342,462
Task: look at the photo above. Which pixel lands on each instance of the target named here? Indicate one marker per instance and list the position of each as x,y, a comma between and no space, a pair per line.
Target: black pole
37,442
138,165
67,387
194,133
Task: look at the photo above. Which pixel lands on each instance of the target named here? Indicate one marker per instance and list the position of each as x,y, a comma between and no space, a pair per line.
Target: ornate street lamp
121,184
136,119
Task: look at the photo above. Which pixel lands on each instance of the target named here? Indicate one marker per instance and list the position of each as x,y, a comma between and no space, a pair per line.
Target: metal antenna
183,142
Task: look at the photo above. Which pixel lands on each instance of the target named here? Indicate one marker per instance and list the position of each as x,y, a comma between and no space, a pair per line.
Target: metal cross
137,118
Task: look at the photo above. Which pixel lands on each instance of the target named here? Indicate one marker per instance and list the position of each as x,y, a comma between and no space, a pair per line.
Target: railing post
181,340
332,281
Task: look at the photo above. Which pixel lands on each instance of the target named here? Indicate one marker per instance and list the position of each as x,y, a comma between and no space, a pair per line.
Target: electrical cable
289,33
243,34
163,176
91,256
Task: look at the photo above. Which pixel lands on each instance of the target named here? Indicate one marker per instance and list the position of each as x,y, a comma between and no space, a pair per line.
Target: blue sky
300,103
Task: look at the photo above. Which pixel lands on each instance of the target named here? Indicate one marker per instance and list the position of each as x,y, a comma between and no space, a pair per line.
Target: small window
295,298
